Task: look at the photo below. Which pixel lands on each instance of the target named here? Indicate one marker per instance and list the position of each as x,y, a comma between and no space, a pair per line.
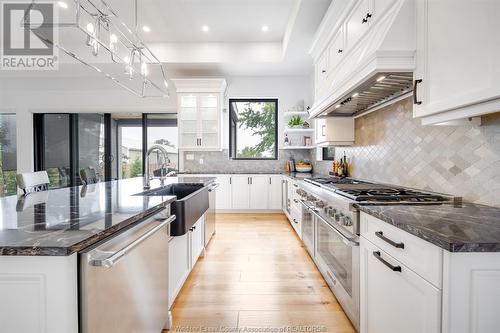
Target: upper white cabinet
458,59
337,131
200,113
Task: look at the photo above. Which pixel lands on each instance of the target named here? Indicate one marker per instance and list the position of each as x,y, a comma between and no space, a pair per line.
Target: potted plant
295,121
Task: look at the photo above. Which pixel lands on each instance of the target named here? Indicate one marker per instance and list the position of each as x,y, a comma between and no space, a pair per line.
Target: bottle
345,167
340,169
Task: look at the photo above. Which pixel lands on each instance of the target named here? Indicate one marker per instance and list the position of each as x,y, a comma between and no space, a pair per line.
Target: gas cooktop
362,191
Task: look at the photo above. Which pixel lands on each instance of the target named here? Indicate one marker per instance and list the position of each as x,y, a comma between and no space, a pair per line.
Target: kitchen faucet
164,153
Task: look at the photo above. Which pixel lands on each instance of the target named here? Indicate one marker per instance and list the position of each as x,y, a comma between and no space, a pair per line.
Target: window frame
233,145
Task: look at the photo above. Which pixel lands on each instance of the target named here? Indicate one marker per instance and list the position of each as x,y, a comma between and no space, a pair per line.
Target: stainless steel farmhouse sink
190,205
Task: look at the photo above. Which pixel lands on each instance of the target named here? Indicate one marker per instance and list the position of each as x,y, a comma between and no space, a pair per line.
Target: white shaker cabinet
179,265
197,241
259,191
395,299
275,192
458,59
223,192
240,198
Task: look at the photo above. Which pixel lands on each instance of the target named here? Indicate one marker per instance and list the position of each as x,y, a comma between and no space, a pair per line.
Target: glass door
91,143
162,130
8,155
208,104
188,118
56,149
129,147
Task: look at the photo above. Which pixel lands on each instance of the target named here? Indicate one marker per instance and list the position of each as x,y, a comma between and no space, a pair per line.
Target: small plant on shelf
295,121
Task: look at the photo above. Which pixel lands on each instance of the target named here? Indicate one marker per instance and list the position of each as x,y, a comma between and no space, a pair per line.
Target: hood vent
377,91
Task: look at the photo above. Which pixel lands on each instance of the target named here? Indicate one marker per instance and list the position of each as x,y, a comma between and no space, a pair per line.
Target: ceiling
234,45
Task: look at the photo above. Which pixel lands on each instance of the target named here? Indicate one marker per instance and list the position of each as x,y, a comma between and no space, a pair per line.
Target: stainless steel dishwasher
124,280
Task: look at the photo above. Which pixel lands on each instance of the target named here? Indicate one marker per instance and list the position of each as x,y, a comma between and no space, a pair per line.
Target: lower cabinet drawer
422,257
393,298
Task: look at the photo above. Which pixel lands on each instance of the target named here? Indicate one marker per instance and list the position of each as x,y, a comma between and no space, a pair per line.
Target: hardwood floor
256,275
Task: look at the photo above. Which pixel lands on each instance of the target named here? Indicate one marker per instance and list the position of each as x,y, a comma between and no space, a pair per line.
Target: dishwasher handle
115,257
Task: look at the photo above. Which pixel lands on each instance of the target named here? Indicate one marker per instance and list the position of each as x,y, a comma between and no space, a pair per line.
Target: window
8,155
253,125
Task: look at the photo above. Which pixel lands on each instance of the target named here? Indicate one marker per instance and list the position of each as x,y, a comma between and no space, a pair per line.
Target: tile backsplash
217,161
392,147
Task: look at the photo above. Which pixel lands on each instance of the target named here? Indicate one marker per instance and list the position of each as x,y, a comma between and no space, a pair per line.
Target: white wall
25,96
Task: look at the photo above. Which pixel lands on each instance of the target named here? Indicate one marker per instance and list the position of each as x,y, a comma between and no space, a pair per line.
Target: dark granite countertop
466,228
64,221
231,173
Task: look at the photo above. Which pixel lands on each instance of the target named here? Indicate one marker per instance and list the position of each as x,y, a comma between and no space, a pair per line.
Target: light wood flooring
256,274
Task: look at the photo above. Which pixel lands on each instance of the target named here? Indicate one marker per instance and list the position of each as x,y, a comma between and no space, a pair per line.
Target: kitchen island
41,235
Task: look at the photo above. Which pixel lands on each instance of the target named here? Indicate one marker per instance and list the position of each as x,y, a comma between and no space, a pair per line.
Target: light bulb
90,28
144,69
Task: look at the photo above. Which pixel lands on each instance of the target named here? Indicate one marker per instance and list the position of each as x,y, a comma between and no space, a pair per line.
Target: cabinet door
357,23
208,113
188,121
321,72
378,8
458,55
240,192
223,193
197,240
336,50
275,194
178,265
395,301
259,190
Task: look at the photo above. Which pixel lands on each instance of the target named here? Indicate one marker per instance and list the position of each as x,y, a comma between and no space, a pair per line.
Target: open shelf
298,130
298,147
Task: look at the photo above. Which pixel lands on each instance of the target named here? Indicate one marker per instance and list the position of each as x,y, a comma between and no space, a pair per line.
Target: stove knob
311,198
338,216
321,204
347,221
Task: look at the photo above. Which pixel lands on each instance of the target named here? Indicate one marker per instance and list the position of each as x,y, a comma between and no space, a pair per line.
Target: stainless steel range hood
377,91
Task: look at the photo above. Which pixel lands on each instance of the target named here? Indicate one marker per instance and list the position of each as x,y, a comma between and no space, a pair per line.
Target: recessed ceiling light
205,28
381,78
355,95
62,4
337,106
146,28
265,28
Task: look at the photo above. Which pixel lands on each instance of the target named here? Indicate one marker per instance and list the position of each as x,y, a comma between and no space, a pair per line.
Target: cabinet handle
415,86
201,141
248,180
364,21
270,183
295,200
368,15
340,51
323,71
230,180
393,268
323,130
251,180
380,235
295,221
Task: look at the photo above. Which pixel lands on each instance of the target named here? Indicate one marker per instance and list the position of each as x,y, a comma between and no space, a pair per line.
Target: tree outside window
253,129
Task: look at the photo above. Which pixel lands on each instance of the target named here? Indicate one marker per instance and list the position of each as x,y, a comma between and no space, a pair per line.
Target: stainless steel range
330,228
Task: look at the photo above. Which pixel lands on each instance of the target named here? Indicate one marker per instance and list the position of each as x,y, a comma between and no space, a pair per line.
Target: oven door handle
347,241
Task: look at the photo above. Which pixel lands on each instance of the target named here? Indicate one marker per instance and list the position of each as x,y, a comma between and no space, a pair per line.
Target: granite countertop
232,173
465,228
64,221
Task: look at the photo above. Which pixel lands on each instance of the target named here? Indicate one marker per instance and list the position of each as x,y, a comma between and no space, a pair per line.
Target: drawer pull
376,254
380,235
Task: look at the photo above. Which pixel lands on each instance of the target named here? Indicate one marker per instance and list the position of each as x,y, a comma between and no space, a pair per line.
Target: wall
288,89
394,148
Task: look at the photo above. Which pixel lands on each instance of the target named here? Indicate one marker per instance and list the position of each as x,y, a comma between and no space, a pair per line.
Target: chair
33,181
88,176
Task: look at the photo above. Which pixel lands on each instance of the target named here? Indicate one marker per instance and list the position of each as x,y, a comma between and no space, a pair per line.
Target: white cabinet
199,121
321,73
179,265
223,193
393,298
275,194
240,192
259,192
335,50
335,131
200,113
357,22
197,241
458,59
183,252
